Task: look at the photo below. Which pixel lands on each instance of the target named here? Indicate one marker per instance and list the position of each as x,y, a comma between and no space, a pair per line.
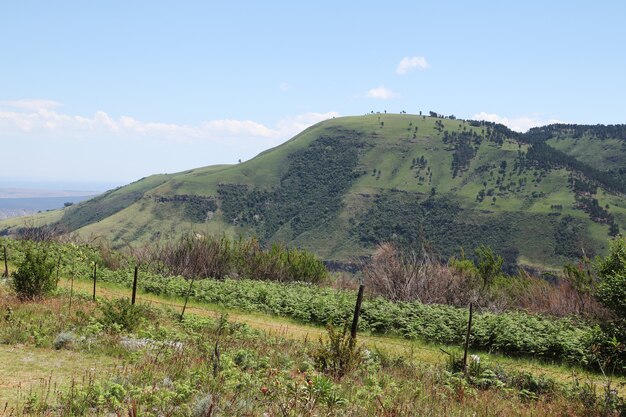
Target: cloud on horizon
38,117
381,93
519,124
62,146
408,64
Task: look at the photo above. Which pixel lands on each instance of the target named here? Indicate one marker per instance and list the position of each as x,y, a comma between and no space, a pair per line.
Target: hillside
345,184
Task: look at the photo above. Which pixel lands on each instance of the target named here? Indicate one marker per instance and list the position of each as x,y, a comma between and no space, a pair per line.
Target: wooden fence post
69,309
182,313
58,268
467,336
357,312
6,263
134,286
95,274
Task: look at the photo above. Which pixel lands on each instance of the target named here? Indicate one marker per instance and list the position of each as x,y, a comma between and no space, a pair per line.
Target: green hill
345,184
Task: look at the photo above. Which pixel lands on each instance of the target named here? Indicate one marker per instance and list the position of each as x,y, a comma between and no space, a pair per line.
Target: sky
94,94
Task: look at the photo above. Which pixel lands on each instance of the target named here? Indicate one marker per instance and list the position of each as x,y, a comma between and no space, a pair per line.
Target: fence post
58,268
69,309
357,312
182,313
467,336
6,263
134,286
95,272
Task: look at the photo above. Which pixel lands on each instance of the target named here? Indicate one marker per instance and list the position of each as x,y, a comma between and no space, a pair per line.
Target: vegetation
344,186
405,219
611,289
197,365
196,255
309,192
34,276
215,366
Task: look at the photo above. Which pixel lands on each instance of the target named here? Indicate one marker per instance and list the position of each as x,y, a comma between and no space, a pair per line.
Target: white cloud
519,124
285,86
38,118
293,125
410,63
69,146
381,93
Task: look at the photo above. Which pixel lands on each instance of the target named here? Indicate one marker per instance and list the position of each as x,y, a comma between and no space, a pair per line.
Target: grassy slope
391,149
603,154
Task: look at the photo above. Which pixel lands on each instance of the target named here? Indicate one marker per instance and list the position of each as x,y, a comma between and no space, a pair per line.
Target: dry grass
26,369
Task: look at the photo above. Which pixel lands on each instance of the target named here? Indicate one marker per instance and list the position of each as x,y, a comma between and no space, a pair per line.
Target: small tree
611,270
489,265
34,276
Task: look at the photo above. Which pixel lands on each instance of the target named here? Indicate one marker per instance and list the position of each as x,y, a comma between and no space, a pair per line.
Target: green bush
611,270
120,314
339,354
34,276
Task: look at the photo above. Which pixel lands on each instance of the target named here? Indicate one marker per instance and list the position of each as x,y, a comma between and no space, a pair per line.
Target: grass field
265,366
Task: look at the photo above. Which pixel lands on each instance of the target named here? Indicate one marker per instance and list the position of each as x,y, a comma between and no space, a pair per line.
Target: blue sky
108,92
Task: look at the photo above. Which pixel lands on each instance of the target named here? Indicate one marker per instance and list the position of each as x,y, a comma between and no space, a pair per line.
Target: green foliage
489,265
483,375
580,277
172,374
406,219
120,314
34,276
325,189
339,354
194,208
567,236
200,256
512,333
611,270
309,193
544,156
465,145
279,263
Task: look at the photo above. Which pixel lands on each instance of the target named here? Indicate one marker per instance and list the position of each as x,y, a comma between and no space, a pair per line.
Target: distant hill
341,186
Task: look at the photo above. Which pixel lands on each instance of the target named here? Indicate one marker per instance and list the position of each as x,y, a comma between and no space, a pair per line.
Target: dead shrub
401,274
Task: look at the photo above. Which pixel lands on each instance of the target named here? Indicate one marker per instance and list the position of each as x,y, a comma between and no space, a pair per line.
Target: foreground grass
28,370
417,350
216,366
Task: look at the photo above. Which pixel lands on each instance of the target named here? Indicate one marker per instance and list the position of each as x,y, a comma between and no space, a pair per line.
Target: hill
345,184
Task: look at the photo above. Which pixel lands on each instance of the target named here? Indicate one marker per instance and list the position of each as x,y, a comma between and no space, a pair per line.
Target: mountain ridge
343,185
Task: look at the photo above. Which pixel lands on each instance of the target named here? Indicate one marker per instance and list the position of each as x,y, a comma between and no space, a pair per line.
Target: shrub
278,263
34,275
611,270
122,314
401,274
489,265
339,354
